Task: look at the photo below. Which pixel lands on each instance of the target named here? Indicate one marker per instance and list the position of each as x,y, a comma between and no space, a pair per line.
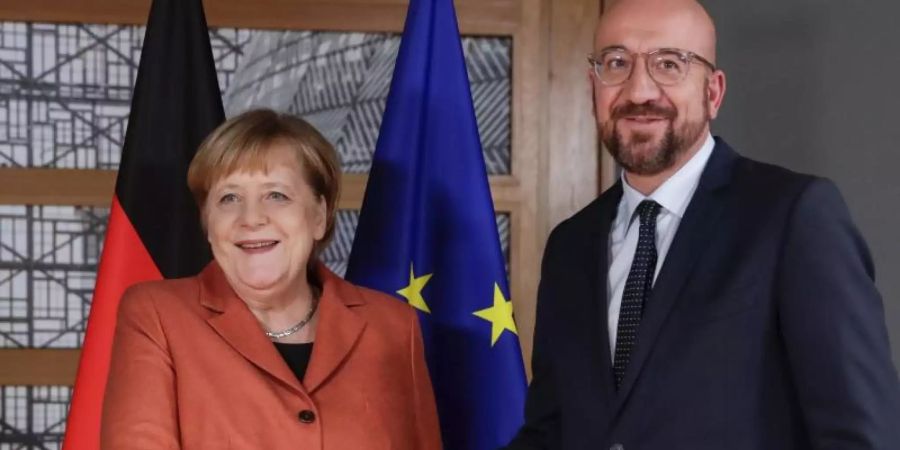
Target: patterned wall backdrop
65,93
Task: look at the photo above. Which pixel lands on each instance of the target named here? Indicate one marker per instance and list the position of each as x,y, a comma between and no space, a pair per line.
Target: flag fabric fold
153,230
427,234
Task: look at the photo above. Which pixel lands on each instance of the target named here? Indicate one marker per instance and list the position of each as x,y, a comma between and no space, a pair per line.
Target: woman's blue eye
275,195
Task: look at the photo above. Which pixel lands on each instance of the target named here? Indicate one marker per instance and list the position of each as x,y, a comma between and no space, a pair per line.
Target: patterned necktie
637,288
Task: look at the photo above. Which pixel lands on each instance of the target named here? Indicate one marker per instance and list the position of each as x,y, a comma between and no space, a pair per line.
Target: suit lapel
596,262
338,331
694,231
237,326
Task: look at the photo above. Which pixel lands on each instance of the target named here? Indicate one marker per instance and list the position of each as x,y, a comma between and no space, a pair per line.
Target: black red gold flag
154,230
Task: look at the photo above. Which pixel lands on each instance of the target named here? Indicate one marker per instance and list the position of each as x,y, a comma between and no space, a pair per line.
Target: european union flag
427,234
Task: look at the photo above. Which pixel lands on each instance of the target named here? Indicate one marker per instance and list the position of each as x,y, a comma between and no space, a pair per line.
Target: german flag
154,229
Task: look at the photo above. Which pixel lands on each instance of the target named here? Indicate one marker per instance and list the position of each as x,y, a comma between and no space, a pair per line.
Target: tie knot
647,211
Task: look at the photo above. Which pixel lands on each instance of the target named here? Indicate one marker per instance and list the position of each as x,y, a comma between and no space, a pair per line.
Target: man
706,301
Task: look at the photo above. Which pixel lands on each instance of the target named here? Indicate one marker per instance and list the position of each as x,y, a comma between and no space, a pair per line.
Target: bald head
653,119
643,25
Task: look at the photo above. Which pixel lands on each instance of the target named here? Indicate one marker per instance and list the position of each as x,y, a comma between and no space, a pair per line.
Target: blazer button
307,416
617,447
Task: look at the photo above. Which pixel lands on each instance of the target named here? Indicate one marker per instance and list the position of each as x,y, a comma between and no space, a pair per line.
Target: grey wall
814,85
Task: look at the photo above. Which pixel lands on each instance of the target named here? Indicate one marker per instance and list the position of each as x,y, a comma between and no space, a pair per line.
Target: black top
296,356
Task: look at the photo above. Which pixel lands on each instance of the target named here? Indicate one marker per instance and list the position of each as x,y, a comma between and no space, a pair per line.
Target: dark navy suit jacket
764,330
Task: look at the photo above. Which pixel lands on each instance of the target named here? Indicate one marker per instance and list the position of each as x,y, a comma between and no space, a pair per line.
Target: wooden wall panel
95,188
56,187
607,167
485,17
529,145
37,367
573,152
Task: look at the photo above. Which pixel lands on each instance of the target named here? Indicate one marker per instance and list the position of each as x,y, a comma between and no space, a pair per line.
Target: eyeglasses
666,66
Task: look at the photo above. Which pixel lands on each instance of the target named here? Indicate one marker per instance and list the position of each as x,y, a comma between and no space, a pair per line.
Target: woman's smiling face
263,225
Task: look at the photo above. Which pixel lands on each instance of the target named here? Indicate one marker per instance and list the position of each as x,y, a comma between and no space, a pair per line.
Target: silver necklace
299,325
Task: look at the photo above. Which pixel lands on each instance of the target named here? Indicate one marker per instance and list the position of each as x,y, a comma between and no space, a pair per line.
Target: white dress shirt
673,195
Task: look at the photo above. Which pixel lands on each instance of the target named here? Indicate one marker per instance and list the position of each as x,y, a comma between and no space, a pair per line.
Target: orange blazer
192,369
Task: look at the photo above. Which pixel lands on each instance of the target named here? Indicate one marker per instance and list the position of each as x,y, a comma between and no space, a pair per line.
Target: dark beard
657,159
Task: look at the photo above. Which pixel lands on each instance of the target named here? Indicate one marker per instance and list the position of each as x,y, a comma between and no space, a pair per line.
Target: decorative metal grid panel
33,417
65,89
340,81
65,92
48,259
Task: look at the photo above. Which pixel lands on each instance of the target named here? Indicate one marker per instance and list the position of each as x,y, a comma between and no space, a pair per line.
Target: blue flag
427,234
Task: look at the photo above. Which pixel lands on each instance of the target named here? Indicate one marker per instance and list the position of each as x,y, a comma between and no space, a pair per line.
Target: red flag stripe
125,261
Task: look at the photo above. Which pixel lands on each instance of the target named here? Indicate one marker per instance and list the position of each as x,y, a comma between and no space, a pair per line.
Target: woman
266,348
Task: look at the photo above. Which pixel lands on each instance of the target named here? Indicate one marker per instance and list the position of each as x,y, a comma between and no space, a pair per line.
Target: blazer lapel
596,262
698,223
237,326
338,330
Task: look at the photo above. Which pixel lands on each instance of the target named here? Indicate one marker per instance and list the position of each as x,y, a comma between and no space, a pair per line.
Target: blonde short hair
245,142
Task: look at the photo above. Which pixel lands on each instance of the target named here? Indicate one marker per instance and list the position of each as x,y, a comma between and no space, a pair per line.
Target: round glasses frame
684,56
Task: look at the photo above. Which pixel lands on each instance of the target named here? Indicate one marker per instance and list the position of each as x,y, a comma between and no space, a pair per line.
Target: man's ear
715,93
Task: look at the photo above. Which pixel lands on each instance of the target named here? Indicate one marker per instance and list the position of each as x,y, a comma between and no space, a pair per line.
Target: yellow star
500,316
413,292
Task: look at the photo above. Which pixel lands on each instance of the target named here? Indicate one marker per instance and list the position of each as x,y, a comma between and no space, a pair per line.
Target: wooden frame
95,188
554,152
481,17
53,367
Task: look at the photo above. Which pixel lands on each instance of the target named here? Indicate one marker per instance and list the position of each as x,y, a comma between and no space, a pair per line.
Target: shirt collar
675,193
